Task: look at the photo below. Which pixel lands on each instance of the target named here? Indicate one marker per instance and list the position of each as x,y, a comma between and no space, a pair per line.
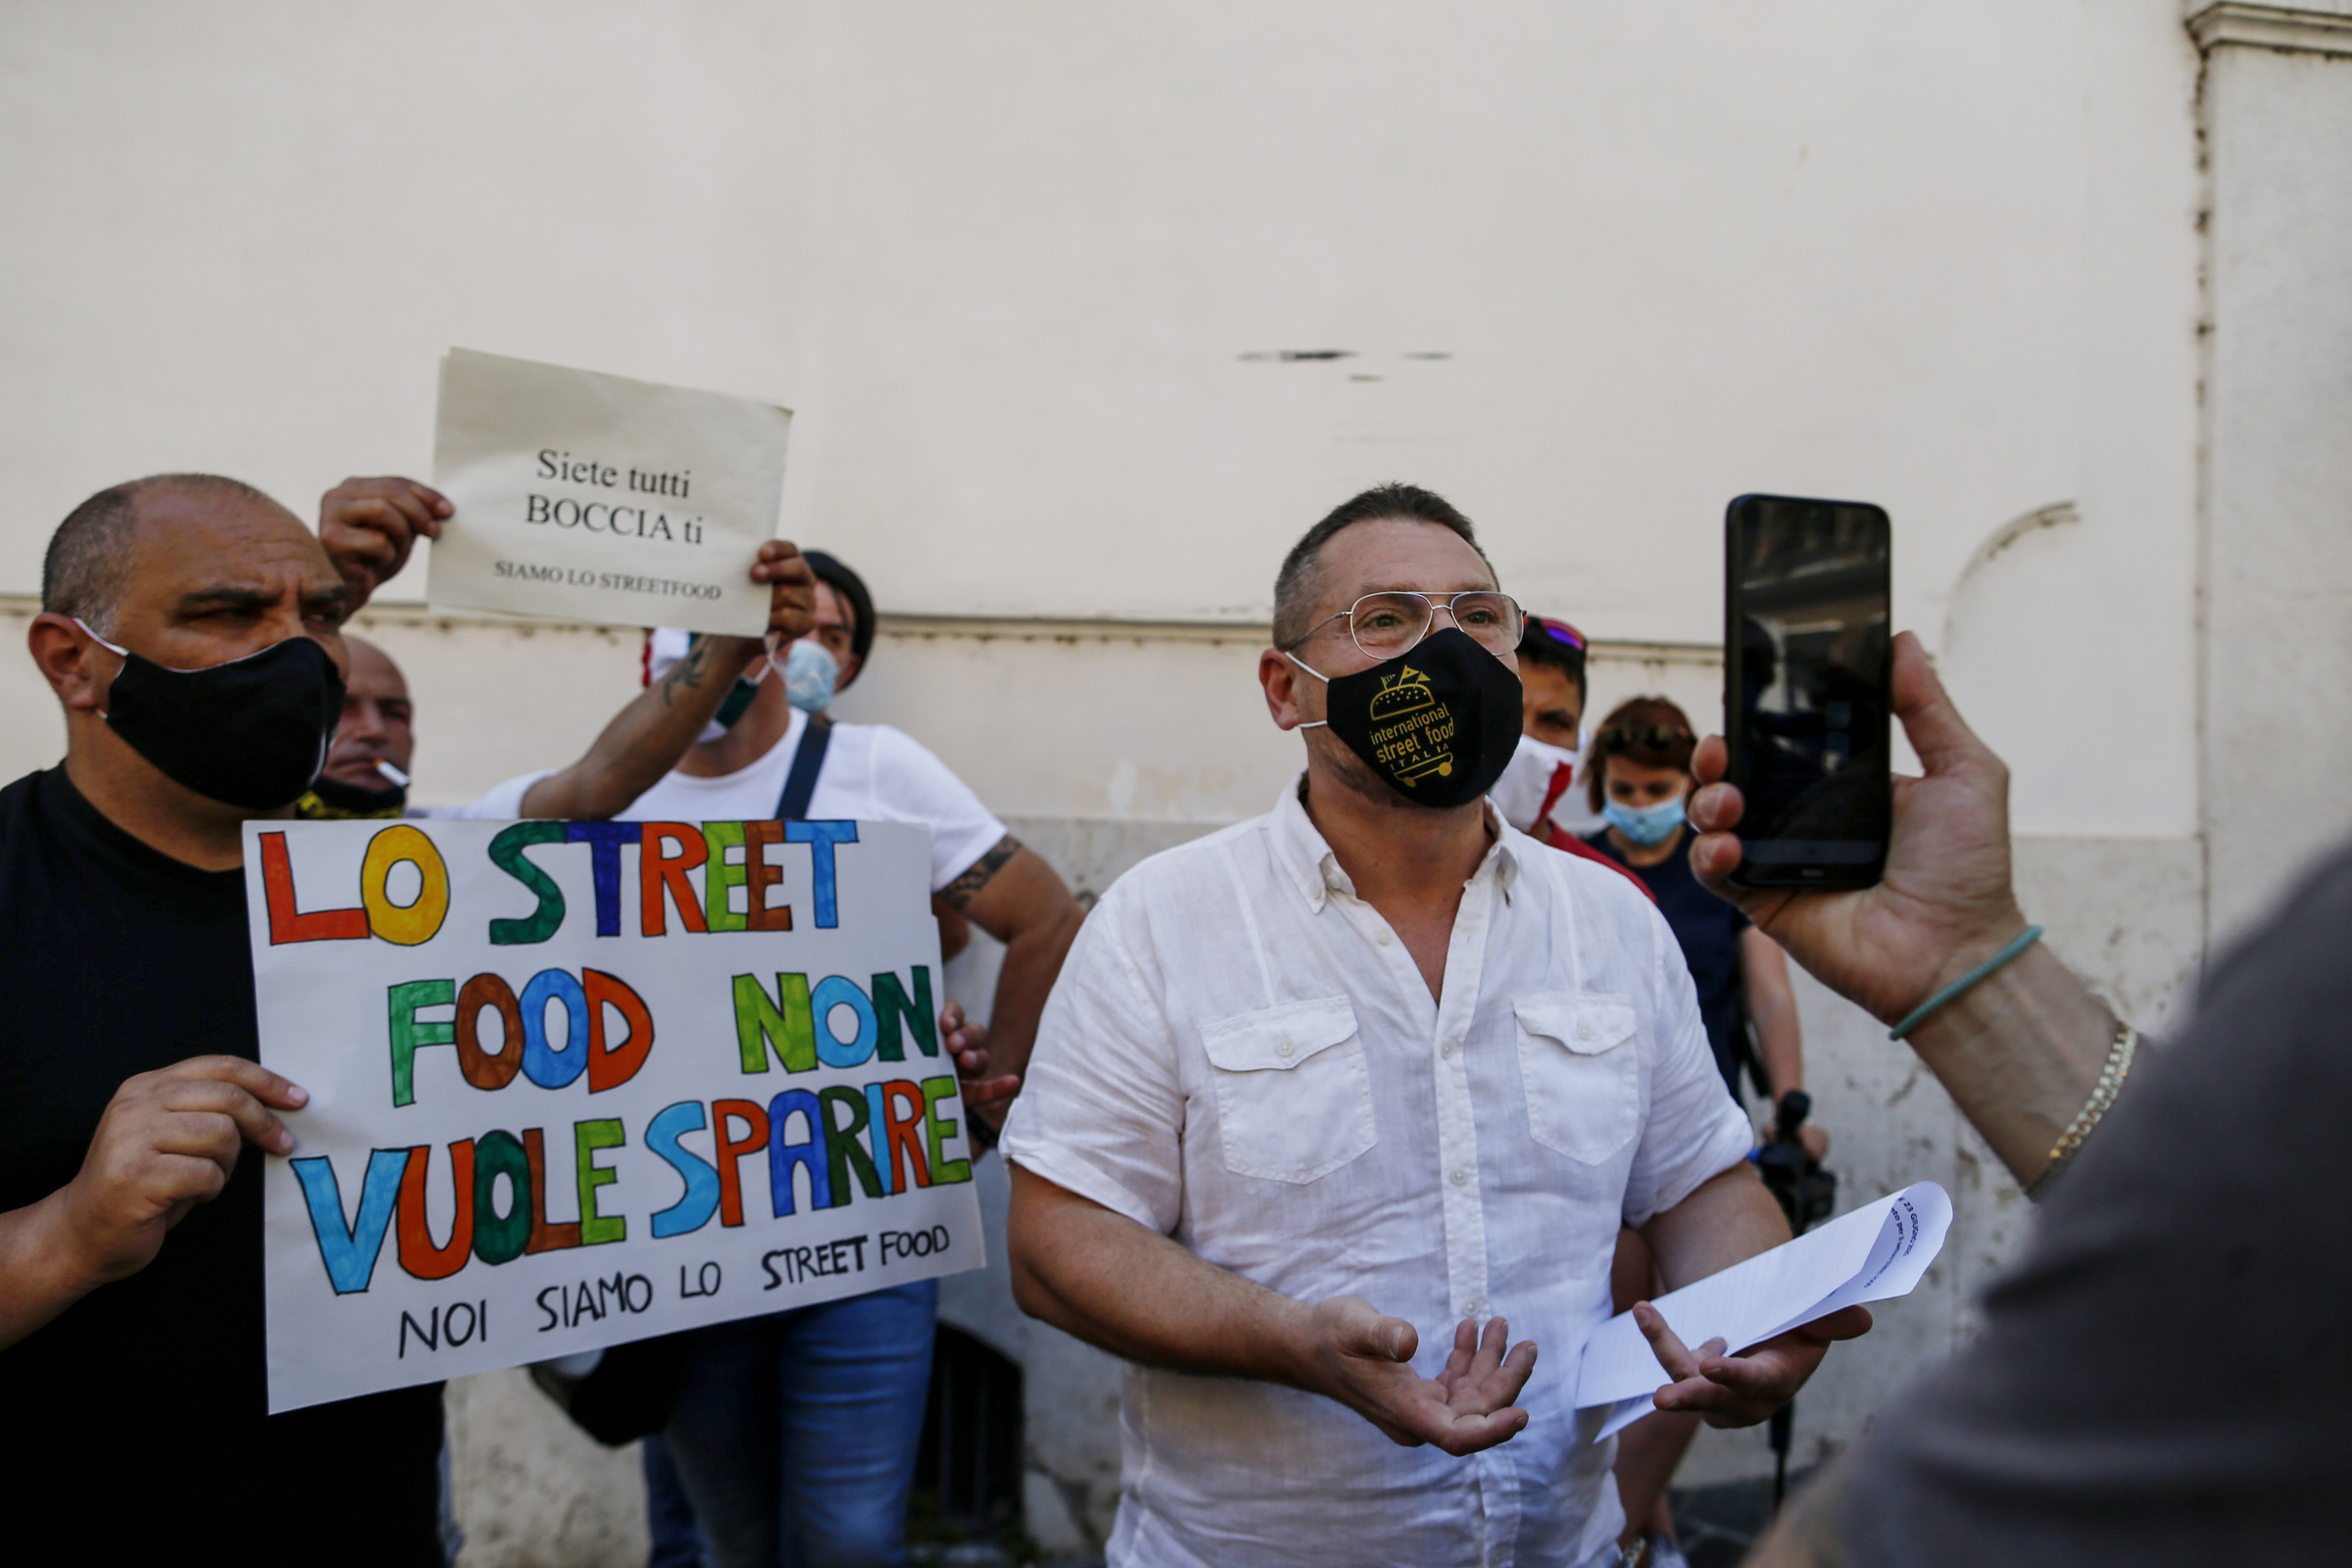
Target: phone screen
1806,689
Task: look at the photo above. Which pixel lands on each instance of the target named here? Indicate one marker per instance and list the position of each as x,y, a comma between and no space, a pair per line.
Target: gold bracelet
2111,1081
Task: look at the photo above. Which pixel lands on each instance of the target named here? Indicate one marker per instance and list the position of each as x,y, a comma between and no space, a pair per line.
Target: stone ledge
2320,30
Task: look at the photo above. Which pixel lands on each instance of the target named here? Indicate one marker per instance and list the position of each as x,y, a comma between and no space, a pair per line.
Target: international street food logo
1412,732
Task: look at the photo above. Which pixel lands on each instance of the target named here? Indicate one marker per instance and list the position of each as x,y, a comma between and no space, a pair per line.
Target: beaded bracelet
1919,1014
2102,1096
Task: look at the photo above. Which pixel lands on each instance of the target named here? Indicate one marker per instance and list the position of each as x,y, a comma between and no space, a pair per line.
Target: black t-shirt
134,1421
2166,1377
1708,930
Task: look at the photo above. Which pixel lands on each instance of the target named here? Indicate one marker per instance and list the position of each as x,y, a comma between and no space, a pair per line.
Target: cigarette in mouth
392,773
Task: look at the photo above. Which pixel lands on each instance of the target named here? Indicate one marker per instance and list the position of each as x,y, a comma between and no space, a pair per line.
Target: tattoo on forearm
979,873
685,675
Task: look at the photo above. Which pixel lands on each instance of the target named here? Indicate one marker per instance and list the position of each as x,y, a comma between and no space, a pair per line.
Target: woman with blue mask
1640,779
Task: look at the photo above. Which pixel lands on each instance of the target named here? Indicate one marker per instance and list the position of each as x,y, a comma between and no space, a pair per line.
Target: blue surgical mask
1645,824
810,673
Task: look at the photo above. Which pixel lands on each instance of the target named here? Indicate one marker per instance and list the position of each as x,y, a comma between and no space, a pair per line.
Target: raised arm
371,527
1110,1282
646,739
2020,1053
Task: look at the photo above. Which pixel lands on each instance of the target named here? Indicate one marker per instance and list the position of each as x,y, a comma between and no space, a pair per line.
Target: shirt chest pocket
1581,1072
1294,1090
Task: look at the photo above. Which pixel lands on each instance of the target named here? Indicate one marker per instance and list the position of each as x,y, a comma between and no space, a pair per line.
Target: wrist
48,1251
1298,1342
732,656
1966,950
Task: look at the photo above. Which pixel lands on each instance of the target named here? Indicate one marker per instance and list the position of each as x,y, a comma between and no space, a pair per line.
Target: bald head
88,563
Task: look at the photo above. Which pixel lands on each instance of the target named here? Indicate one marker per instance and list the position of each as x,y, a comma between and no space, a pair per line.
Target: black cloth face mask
251,733
1439,722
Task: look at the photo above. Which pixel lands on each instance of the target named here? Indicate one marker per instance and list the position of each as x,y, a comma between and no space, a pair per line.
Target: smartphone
1807,689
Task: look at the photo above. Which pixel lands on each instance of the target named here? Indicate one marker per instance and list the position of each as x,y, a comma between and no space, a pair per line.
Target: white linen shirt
872,773
1240,1054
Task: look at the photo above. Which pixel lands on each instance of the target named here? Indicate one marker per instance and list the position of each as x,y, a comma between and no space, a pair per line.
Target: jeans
794,1434
669,1517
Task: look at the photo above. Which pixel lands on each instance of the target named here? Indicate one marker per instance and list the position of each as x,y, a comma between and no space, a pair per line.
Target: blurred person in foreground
2162,1378
793,1435
191,628
1379,1042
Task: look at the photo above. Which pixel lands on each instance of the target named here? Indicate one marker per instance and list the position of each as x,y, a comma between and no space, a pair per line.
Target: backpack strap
808,760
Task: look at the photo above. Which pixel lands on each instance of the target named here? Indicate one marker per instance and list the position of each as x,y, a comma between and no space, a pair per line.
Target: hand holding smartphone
1807,689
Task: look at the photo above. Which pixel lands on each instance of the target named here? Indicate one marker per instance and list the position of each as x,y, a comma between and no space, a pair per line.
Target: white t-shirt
872,773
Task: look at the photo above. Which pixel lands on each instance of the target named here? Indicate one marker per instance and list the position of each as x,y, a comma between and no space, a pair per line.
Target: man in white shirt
1378,1051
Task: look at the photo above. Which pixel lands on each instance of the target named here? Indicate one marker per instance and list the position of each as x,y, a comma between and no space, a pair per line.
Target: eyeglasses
1643,737
1386,624
1559,631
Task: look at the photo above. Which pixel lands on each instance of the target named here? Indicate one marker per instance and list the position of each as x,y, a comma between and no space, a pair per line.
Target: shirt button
1446,1050
1384,939
1461,1178
1583,1028
1470,1307
1283,1047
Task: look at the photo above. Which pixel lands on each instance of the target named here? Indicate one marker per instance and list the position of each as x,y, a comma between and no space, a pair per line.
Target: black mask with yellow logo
332,801
1439,722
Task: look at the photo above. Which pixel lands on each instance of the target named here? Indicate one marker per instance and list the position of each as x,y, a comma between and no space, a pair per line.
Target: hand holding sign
589,497
167,1142
580,1083
371,527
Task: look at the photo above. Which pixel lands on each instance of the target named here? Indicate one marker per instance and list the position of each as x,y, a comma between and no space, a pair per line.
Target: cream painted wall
1028,274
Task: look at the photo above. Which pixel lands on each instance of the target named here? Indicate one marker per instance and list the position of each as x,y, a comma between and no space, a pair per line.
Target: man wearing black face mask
1378,1044
190,627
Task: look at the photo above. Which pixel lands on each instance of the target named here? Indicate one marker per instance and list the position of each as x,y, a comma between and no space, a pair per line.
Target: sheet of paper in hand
596,497
573,1083
1879,1251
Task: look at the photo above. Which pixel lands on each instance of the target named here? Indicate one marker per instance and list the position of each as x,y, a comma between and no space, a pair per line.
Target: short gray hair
1295,586
88,565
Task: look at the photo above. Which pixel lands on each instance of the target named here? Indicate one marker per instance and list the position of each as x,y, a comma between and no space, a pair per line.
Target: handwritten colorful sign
578,1083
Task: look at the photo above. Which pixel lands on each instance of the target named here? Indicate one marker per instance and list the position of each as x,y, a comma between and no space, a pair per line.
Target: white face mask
1526,789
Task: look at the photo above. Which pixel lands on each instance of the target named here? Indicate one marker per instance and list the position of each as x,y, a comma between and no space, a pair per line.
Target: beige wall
1028,272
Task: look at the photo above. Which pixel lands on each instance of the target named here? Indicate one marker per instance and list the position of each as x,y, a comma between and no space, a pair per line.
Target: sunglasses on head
1559,631
1643,738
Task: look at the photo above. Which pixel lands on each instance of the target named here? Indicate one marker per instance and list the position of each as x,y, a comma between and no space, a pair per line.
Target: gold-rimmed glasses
1387,623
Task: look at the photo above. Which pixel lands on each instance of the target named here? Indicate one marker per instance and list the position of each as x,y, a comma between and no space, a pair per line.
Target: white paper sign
1879,1251
596,497
573,1083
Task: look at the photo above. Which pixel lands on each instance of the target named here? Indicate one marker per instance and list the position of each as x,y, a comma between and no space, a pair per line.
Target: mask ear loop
1307,724
120,653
